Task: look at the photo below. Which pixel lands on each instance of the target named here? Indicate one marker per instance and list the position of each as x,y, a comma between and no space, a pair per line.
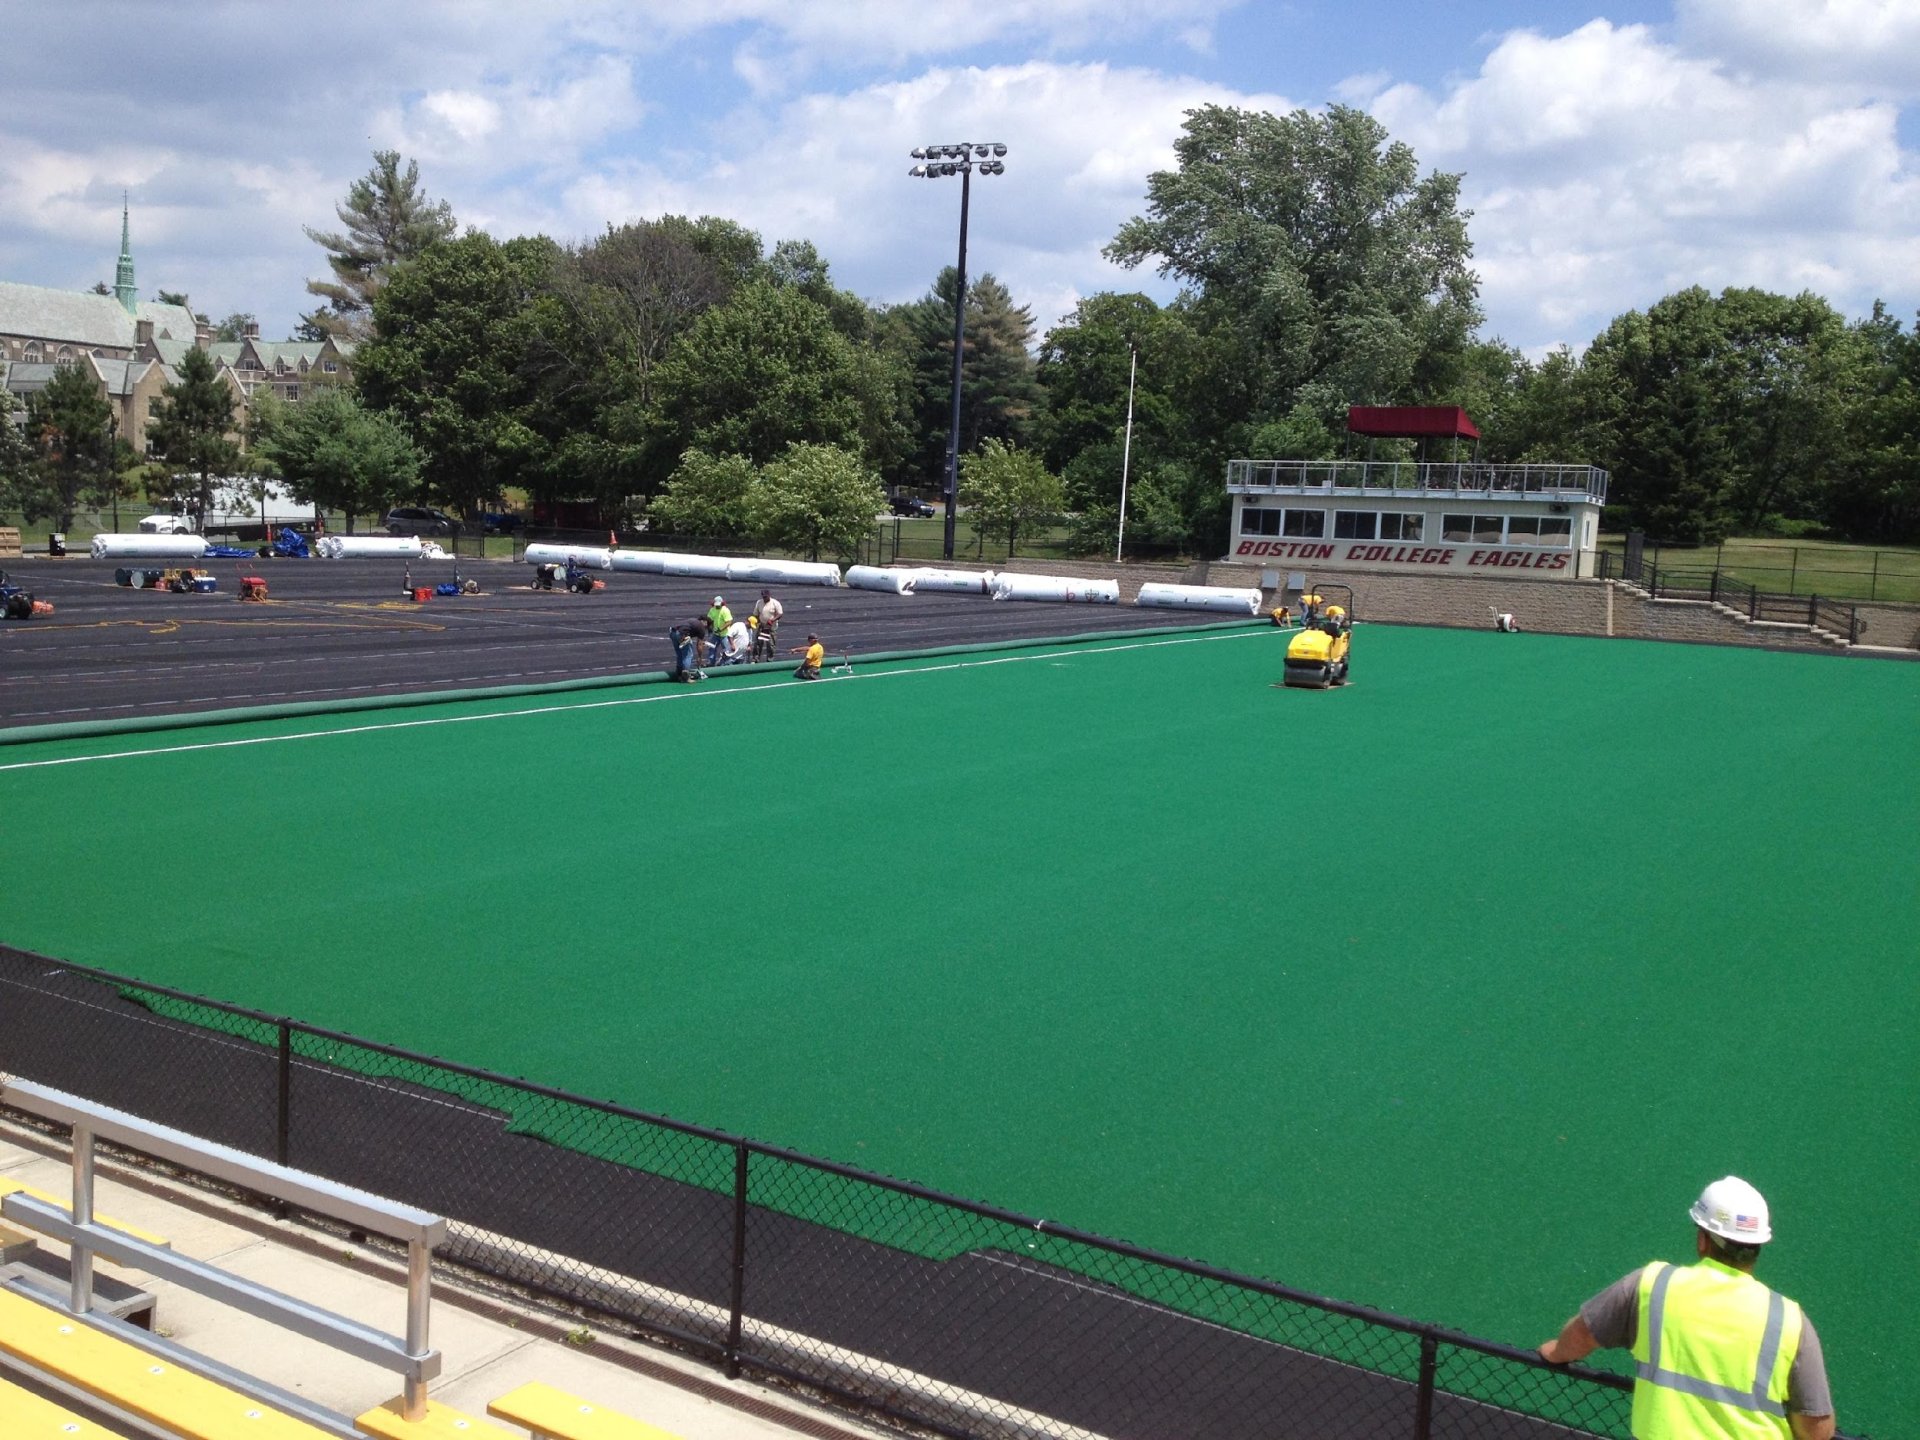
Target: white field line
678,694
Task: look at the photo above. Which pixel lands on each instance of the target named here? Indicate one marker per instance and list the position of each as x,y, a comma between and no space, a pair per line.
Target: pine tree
192,424
70,434
389,220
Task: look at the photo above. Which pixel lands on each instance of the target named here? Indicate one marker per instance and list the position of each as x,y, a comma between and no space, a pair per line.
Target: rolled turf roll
929,578
148,547
1008,585
642,562
784,572
340,547
587,557
1199,597
875,577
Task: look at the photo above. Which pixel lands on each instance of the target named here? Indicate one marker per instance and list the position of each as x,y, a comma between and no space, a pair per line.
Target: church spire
123,290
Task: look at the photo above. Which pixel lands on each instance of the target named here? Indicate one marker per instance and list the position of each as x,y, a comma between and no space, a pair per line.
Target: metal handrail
420,1230
1553,482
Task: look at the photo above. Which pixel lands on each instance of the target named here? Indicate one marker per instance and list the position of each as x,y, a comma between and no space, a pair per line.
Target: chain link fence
948,1315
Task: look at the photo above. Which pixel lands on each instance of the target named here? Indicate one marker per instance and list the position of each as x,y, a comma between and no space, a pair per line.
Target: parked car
166,525
501,522
910,505
419,520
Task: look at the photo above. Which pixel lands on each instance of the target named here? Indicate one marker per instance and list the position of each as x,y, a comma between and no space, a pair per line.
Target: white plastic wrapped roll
1009,586
957,582
704,567
148,547
587,557
875,577
339,547
1199,597
642,562
784,572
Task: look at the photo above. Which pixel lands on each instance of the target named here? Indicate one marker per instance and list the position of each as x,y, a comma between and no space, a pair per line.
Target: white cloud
1868,45
1607,167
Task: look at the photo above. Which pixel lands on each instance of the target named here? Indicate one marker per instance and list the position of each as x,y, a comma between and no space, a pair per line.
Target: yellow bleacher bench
54,1343
441,1422
25,1416
555,1415
9,542
11,1187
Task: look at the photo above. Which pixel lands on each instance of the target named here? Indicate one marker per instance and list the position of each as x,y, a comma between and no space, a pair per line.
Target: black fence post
739,1260
1423,1400
283,1121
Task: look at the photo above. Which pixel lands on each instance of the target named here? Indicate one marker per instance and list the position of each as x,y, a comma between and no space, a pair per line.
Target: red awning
1411,422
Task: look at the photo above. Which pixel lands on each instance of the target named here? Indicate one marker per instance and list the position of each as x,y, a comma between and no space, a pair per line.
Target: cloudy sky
1612,152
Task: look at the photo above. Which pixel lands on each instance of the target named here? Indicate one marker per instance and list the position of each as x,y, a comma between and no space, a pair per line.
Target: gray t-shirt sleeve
1807,1392
1614,1314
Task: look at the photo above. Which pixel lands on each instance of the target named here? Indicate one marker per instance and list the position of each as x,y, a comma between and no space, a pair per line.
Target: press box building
1449,516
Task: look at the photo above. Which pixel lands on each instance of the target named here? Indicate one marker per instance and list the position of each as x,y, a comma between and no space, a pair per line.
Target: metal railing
960,1317
1418,477
1672,582
420,1232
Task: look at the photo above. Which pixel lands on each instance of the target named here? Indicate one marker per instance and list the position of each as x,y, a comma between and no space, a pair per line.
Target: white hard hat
1733,1210
718,601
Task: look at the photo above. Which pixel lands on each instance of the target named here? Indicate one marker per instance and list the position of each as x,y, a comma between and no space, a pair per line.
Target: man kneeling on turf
815,654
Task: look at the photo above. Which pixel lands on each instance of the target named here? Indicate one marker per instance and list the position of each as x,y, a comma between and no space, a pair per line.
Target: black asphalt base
339,629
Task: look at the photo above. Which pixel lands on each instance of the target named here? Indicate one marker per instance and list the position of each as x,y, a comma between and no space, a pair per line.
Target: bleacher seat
441,1422
51,1342
25,1416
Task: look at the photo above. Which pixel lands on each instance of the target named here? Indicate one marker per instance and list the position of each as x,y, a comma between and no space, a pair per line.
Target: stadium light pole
1126,451
940,161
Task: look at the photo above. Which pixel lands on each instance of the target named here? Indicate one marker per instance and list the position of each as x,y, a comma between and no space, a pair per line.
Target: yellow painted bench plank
441,1422
25,1416
8,1187
547,1411
158,1391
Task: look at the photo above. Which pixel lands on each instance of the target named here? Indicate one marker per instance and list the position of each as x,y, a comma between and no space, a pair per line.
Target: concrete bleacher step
26,1416
52,1276
122,1377
553,1413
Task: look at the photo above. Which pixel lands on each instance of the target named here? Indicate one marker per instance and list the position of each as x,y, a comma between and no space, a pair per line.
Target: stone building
135,347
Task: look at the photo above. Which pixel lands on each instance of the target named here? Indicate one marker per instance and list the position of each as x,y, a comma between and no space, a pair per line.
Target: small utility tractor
1317,658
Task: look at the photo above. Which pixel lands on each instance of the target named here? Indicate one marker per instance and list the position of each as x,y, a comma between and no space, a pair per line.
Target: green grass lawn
1444,992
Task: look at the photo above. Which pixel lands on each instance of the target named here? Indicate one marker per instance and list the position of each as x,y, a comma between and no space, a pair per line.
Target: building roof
1411,422
76,317
23,378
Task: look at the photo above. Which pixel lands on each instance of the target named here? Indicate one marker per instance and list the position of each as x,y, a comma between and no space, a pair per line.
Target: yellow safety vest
1712,1351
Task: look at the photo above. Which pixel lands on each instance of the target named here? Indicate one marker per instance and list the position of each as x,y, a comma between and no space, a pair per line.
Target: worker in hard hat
1718,1356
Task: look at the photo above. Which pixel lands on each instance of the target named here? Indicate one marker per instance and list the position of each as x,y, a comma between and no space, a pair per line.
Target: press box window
1470,529
1256,521
1310,523
1403,527
1355,525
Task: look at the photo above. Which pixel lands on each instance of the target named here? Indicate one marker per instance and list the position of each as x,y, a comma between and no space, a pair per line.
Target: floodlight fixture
962,159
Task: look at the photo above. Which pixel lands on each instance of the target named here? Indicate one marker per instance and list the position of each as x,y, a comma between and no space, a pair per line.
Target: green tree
815,499
1874,493
191,426
1343,269
336,455
1717,413
1009,490
1000,395
707,495
768,370
457,359
235,326
16,455
388,221
69,432
169,297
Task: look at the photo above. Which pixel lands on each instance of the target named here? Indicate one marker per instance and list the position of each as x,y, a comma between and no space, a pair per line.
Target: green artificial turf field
1443,993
